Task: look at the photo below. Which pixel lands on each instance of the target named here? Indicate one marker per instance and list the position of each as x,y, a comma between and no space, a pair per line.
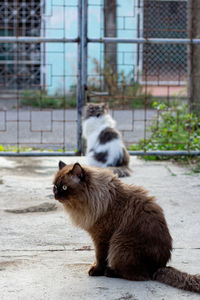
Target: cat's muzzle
56,194
55,190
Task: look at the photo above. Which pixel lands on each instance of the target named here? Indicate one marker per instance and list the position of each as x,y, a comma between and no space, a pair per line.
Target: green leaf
2,148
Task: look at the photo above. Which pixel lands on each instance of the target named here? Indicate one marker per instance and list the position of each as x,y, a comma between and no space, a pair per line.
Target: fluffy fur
105,147
128,228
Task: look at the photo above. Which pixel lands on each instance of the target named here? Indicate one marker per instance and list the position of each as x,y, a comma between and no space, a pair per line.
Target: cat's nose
55,190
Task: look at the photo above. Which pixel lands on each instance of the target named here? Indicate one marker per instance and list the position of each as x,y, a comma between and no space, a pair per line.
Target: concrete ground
43,256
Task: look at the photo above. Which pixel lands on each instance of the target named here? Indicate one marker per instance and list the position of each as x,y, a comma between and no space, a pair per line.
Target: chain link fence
136,55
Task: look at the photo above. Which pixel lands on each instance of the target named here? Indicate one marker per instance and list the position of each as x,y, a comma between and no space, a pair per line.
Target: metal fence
57,55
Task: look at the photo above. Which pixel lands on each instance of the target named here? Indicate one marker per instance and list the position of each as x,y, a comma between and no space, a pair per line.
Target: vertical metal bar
43,49
17,70
84,59
79,83
138,46
101,35
146,75
190,54
85,50
64,81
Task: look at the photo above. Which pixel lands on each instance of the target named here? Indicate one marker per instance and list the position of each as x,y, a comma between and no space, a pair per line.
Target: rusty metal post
193,56
110,30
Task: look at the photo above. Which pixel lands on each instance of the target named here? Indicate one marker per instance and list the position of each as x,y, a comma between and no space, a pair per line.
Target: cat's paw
110,273
96,271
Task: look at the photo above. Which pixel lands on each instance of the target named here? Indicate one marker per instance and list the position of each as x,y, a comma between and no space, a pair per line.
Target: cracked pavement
43,256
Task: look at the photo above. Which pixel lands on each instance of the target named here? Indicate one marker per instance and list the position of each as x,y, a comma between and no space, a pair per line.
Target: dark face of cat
83,192
95,110
69,181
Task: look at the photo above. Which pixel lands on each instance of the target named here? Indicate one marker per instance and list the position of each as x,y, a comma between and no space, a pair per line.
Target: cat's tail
122,171
178,279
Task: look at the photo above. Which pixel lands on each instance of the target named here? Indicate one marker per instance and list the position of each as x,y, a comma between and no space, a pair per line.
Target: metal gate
57,55
38,79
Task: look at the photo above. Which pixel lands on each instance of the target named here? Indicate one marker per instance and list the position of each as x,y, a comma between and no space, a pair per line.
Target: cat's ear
77,172
61,164
105,106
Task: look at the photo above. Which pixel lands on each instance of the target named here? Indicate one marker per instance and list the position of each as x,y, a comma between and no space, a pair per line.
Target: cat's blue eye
64,187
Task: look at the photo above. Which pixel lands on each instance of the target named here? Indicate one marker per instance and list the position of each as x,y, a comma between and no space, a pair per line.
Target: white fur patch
95,125
92,127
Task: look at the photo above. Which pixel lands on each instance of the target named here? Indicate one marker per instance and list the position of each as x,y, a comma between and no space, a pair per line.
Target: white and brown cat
128,228
105,147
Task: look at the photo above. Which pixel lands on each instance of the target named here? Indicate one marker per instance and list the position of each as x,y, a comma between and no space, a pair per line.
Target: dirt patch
28,167
1,181
84,248
44,207
5,264
76,268
127,296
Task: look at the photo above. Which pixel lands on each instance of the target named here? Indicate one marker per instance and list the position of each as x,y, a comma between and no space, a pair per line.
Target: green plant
8,148
18,149
196,166
123,91
175,129
40,99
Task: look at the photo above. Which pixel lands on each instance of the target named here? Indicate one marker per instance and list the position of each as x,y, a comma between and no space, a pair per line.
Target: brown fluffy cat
128,228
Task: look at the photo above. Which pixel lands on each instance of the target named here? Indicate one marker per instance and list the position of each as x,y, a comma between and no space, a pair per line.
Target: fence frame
82,41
